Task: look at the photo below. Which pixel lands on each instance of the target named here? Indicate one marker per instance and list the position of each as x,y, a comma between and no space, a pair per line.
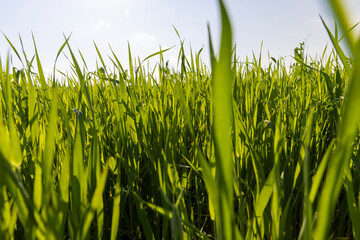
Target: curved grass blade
346,134
57,56
337,47
13,48
157,53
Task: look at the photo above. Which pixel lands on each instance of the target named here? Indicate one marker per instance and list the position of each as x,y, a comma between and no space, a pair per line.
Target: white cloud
126,12
102,24
143,37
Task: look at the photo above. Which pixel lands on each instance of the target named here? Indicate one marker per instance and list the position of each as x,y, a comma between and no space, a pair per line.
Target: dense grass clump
231,151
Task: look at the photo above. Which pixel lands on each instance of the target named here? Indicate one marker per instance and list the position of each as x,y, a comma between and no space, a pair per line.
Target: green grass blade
15,157
50,144
222,93
308,214
157,53
95,202
116,209
100,57
84,88
57,56
346,133
212,54
131,66
40,69
337,47
14,49
78,180
352,204
318,177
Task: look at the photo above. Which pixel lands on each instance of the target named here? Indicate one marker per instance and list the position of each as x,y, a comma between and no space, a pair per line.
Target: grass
230,151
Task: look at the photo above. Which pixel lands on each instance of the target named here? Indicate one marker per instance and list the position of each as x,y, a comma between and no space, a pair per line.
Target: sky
278,25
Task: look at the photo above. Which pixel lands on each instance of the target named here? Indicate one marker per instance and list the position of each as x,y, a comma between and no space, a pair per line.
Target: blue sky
147,24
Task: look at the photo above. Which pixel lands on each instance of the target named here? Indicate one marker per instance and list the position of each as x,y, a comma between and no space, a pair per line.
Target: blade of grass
222,92
13,48
352,203
57,56
157,53
337,47
95,202
40,69
15,157
50,145
347,131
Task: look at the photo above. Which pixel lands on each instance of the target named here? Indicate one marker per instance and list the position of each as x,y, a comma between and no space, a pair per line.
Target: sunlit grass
233,150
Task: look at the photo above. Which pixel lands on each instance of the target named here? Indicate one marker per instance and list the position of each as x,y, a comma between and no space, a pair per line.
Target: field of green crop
233,150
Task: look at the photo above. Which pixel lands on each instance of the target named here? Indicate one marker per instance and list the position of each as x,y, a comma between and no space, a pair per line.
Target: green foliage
240,151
